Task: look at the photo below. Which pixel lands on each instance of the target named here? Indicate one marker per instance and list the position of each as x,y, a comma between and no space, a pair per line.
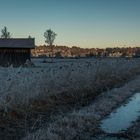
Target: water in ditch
123,117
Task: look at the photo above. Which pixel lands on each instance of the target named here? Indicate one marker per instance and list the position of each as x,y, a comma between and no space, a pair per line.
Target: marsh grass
28,93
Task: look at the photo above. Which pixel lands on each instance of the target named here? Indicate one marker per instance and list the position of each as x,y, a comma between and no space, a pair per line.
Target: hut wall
13,56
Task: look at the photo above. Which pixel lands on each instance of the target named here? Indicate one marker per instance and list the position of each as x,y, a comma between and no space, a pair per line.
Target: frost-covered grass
61,82
134,131
83,123
50,87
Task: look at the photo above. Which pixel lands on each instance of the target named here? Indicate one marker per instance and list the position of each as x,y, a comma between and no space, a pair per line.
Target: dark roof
17,43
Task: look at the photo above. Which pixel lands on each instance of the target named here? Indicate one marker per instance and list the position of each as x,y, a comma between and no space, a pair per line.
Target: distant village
76,52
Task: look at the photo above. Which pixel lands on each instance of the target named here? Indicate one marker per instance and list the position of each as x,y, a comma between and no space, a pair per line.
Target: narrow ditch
121,119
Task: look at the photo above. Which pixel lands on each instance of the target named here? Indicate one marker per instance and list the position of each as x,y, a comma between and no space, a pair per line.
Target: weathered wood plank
14,56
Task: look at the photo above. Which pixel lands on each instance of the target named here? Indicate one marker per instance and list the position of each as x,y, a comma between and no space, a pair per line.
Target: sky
83,23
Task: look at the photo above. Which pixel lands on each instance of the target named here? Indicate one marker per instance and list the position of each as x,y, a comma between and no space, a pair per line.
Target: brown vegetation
64,51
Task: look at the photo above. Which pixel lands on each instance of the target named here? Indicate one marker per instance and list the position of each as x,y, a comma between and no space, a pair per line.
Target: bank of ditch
84,123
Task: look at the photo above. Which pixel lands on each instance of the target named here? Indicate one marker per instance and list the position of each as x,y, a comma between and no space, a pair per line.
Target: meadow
63,99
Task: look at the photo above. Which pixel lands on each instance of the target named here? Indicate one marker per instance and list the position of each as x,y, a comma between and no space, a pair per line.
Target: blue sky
84,23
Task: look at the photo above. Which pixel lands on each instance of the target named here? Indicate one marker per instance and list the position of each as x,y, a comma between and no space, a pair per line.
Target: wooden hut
15,50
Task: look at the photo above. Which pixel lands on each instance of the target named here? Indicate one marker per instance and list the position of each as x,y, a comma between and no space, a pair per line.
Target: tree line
50,36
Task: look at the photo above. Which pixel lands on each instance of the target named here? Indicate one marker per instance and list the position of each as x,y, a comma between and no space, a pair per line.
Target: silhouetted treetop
5,33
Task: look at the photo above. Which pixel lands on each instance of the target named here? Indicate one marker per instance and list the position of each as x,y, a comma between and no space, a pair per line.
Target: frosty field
61,100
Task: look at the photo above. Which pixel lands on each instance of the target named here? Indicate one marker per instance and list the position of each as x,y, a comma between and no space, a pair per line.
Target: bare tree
5,33
49,39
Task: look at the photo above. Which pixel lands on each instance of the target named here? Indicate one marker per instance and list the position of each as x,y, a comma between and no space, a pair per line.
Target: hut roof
17,43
